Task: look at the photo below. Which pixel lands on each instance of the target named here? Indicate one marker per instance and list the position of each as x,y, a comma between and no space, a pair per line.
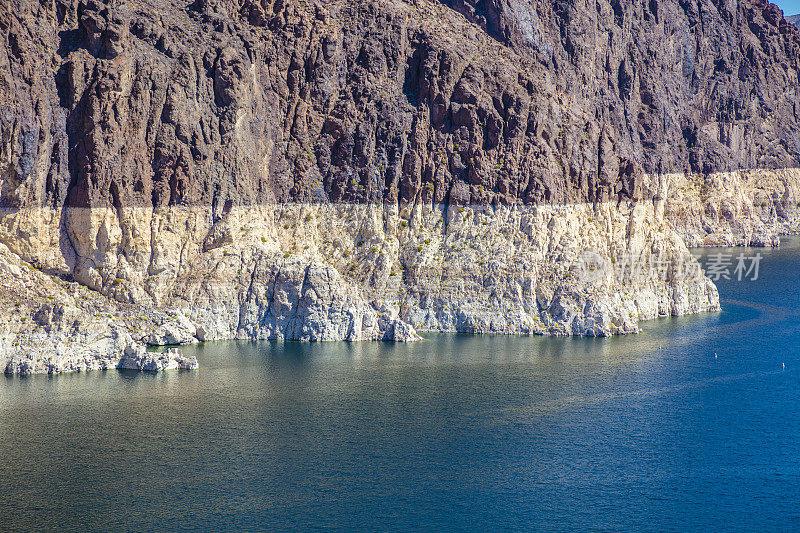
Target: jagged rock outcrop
238,102
51,325
138,358
372,272
159,153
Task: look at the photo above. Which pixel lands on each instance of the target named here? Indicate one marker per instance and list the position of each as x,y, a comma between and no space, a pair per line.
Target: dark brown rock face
233,102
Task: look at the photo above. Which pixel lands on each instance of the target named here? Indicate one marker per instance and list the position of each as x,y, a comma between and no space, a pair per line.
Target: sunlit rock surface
174,172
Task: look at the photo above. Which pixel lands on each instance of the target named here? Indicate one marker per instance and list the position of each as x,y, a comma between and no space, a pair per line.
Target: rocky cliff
347,169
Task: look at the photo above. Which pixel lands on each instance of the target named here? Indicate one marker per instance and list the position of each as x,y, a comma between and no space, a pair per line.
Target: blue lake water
645,432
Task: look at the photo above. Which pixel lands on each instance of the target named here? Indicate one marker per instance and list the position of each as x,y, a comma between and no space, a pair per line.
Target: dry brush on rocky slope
346,169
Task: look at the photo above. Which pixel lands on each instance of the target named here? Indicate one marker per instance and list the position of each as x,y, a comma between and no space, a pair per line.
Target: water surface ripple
646,432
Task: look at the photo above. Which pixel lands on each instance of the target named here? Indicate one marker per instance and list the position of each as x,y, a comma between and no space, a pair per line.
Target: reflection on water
646,432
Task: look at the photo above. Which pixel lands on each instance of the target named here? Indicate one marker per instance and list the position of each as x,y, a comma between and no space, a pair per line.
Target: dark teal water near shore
646,432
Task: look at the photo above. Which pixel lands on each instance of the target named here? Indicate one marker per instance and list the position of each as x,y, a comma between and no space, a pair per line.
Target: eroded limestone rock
742,208
136,357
